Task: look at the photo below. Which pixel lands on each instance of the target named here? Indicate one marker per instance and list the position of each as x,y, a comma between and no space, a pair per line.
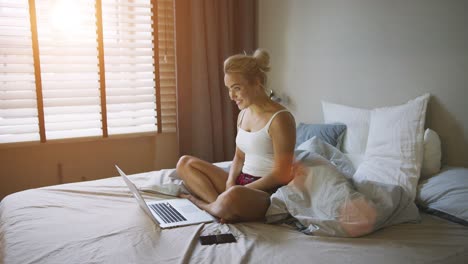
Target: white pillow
394,150
357,129
432,154
356,159
357,125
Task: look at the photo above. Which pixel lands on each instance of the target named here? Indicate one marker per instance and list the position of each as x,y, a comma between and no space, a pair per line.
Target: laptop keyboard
167,212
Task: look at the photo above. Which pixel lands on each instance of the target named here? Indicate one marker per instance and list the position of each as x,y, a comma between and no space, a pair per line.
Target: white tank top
258,149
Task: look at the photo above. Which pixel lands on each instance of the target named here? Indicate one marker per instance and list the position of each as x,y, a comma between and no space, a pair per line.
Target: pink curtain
207,32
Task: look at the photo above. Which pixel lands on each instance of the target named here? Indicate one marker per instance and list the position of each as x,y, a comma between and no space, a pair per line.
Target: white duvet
324,200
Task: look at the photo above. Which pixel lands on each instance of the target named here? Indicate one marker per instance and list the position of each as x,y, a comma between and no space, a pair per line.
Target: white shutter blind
130,68
18,106
128,56
136,73
69,68
167,69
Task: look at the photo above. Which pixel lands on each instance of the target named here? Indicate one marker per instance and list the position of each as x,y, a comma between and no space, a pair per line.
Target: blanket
324,200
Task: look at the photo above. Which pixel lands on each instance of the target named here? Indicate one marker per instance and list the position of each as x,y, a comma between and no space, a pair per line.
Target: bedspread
100,222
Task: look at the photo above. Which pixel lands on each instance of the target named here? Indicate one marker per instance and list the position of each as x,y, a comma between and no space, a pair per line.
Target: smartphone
217,239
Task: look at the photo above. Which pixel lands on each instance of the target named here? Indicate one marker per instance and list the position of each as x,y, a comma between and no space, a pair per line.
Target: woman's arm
283,134
236,167
238,161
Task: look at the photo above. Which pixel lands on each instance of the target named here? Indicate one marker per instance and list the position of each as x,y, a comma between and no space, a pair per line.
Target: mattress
100,222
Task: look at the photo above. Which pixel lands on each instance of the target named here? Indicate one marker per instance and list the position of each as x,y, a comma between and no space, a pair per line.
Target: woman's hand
298,169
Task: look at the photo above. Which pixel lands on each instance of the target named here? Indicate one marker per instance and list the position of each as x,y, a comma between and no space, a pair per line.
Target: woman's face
240,90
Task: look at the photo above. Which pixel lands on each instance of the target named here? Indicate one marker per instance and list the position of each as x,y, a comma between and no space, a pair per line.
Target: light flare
66,17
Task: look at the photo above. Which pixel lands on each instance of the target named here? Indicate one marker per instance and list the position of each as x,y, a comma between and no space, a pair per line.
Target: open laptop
170,212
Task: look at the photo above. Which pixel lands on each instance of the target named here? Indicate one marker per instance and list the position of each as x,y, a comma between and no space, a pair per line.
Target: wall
368,53
34,165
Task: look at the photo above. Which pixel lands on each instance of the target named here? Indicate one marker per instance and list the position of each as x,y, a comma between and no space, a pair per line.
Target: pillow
357,125
395,145
330,133
355,139
356,159
445,195
432,154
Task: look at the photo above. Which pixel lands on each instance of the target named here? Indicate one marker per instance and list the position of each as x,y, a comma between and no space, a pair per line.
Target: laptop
171,212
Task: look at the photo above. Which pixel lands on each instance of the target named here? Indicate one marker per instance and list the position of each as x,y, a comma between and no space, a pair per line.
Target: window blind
18,107
167,66
128,56
137,90
69,68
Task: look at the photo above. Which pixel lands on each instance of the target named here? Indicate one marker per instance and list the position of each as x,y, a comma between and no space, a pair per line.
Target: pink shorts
244,179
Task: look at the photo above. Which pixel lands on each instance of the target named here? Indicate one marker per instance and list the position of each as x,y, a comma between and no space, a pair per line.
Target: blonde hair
250,66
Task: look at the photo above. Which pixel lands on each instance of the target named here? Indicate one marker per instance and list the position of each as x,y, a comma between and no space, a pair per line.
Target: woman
264,148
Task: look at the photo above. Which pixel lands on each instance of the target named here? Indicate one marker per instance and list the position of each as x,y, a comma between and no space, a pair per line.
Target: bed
100,222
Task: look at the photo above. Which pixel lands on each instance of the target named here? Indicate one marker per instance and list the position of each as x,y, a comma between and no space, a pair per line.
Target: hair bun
263,59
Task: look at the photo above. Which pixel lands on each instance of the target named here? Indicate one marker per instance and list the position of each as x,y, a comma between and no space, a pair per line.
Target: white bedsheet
99,222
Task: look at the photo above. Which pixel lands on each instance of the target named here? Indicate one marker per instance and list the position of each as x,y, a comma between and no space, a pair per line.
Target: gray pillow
446,194
330,133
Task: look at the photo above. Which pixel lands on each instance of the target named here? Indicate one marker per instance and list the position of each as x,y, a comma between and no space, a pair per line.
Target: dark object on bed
217,239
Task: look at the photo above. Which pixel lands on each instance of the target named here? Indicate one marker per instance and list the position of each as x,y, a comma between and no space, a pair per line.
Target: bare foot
211,208
201,204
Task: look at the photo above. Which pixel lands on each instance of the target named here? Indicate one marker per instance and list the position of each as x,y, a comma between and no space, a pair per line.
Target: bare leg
202,178
237,204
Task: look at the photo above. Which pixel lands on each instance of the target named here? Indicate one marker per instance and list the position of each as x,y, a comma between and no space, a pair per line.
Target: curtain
207,32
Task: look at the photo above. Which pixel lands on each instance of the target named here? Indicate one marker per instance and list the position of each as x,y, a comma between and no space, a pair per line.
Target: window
86,68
